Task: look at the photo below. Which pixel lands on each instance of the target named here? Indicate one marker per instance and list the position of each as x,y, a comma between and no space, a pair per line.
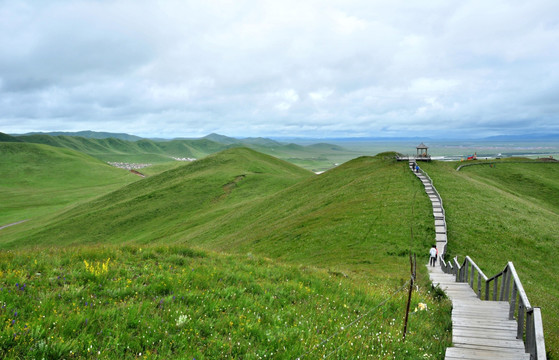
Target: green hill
324,146
8,138
39,179
221,139
170,202
260,141
315,157
507,212
89,134
239,200
351,225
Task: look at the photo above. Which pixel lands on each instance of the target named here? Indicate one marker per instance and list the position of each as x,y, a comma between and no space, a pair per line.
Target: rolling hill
8,138
113,149
338,245
352,221
88,134
240,200
39,179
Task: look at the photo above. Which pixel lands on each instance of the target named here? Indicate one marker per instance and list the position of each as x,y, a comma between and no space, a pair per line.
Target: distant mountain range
111,147
87,134
278,141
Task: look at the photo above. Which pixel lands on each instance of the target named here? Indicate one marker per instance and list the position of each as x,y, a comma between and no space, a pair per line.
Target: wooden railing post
513,302
479,285
495,288
530,338
487,290
520,322
503,282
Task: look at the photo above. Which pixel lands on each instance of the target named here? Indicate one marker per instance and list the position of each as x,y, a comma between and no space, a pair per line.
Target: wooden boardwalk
480,329
438,209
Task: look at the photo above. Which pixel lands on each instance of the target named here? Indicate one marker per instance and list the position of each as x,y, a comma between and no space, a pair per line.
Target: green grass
162,167
355,218
38,180
507,212
151,209
348,229
173,302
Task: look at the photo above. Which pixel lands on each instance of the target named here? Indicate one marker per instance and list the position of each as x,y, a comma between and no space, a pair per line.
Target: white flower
182,320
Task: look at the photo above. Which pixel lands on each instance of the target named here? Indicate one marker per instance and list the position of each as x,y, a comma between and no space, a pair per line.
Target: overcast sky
280,68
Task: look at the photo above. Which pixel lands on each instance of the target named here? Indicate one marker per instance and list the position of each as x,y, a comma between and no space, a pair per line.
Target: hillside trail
481,330
12,224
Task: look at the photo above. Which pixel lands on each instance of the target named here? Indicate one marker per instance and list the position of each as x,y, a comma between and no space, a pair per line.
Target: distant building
422,152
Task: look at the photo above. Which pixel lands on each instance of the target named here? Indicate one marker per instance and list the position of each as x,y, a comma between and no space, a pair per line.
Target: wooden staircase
482,329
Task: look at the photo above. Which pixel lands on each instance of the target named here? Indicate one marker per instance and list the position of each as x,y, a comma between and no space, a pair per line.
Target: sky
289,68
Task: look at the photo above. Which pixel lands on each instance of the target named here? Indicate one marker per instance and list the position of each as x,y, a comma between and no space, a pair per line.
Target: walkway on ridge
480,329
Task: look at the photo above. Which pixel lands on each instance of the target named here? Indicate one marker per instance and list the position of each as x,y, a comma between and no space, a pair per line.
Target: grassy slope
38,179
509,212
349,218
163,204
109,149
354,218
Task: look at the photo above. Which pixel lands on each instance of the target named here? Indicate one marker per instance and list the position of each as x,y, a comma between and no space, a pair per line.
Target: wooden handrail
510,289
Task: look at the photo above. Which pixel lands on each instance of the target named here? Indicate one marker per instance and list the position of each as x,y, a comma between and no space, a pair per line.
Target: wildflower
182,320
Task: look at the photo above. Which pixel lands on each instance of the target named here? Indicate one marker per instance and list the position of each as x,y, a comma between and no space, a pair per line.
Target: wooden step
454,353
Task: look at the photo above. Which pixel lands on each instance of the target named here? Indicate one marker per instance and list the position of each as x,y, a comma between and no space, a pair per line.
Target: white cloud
261,68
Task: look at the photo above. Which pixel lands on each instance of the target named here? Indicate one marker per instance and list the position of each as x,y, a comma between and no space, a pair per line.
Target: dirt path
137,173
12,224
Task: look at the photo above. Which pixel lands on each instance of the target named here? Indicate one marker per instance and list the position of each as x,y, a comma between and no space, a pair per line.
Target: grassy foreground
173,302
507,212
